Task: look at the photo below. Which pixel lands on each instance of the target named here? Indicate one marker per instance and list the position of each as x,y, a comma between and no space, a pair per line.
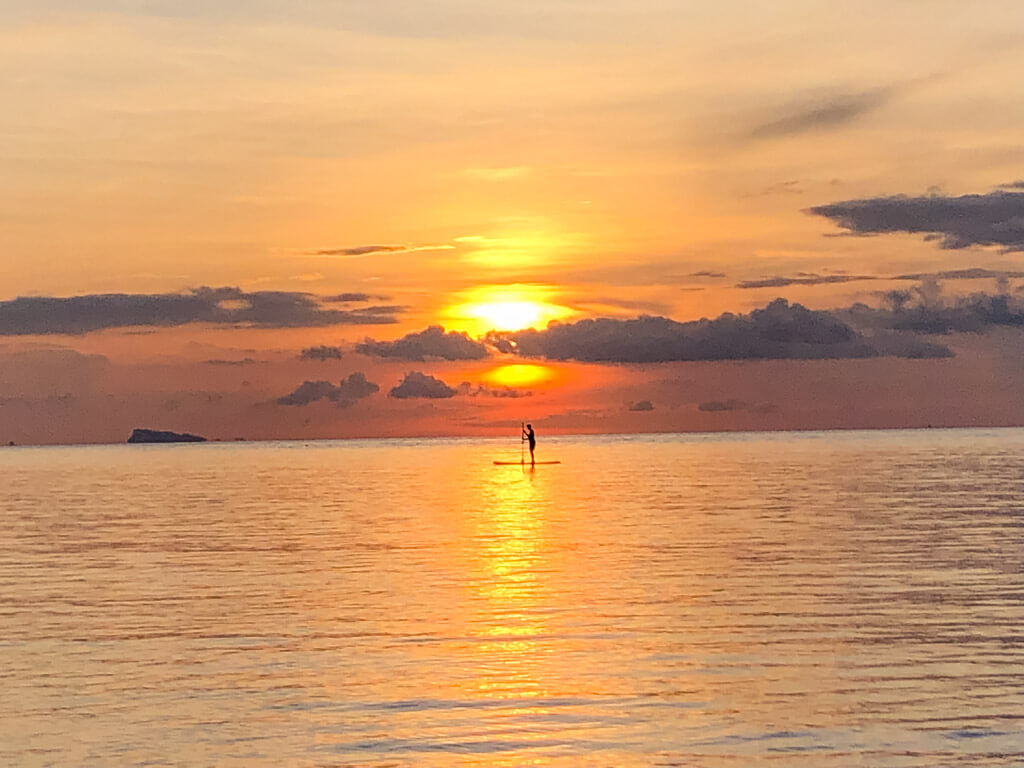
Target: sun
505,308
508,315
520,375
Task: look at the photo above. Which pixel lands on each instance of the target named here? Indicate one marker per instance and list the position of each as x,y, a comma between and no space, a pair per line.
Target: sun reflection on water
510,560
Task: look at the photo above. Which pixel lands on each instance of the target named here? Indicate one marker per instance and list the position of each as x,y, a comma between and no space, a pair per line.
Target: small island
163,436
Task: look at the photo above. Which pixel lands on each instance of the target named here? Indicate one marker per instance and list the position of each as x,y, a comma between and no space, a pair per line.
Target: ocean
785,599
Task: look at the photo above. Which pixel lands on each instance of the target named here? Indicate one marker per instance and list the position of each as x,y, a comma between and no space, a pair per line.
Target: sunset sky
246,219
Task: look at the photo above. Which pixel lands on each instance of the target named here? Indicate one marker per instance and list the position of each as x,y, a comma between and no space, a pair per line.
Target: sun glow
505,308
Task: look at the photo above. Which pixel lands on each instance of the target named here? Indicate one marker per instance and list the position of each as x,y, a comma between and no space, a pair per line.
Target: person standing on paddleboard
528,435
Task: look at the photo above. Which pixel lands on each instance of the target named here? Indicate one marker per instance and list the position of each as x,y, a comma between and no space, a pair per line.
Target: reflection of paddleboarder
532,438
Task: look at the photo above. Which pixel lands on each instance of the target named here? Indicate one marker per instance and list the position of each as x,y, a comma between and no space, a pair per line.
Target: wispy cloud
370,250
802,279
971,273
231,363
353,298
791,187
822,113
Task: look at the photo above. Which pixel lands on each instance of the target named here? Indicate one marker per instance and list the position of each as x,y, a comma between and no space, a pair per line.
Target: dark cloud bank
996,218
223,306
355,387
779,331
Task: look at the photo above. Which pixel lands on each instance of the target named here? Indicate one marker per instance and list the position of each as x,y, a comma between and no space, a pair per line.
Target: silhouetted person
528,435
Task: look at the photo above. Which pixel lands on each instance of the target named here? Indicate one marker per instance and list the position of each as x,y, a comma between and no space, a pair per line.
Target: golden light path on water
807,600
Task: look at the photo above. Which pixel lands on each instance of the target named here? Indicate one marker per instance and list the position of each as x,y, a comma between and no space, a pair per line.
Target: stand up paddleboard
523,463
522,453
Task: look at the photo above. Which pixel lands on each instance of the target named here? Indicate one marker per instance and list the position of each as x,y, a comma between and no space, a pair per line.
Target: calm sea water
811,599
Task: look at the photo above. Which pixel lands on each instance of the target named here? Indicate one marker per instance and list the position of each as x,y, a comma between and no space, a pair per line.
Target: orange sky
497,166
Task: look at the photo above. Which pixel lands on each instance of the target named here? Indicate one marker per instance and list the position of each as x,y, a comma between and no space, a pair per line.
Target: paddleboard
524,463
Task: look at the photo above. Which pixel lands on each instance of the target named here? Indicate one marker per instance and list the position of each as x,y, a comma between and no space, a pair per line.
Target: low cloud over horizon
75,315
779,331
431,342
421,385
355,387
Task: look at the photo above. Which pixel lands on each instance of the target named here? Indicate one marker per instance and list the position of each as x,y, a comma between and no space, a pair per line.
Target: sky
325,219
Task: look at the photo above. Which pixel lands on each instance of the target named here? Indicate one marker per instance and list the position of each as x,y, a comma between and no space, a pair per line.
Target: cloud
244,361
782,282
642,405
321,353
416,384
355,387
996,218
719,406
224,306
369,250
791,187
1019,184
481,390
308,392
973,273
707,274
349,298
779,331
924,311
823,113
432,342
